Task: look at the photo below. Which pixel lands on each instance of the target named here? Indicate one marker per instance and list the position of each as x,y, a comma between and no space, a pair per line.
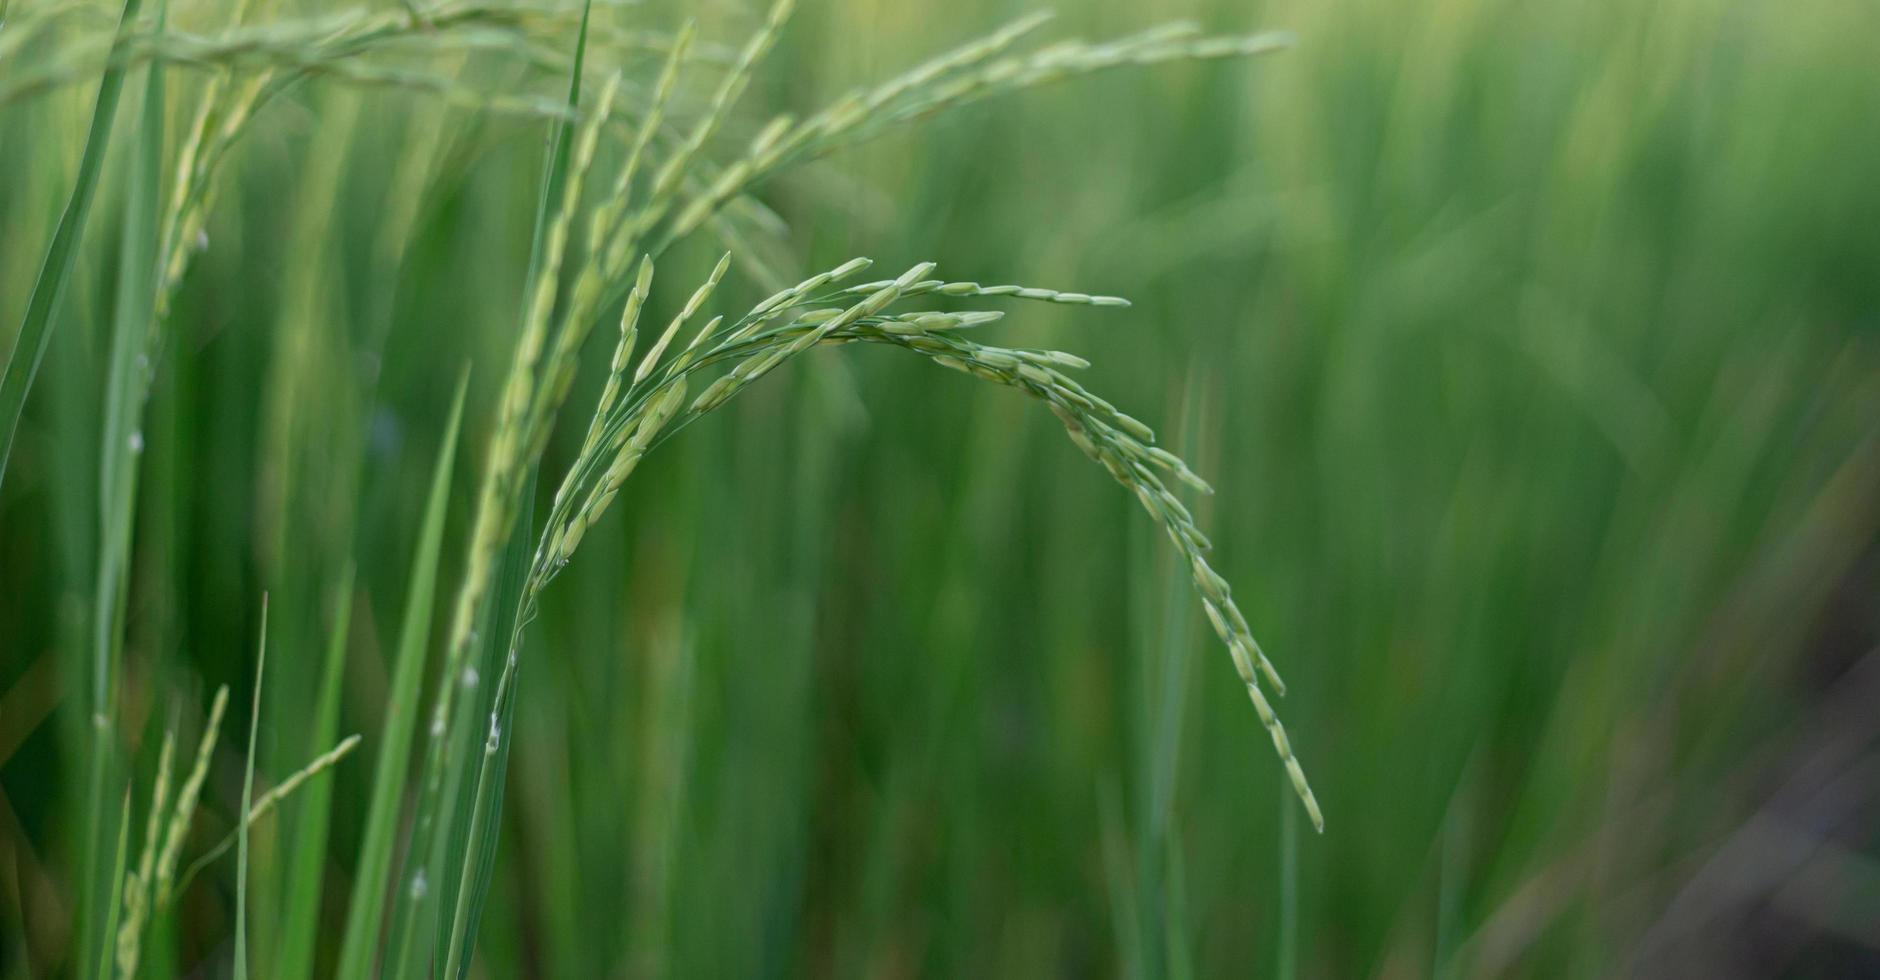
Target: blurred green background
1533,348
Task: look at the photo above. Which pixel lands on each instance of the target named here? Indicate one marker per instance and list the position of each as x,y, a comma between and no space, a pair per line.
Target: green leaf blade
29,347
366,912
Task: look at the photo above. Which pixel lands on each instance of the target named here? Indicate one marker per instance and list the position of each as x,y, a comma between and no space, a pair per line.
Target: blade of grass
366,912
1164,679
117,889
117,469
437,828
473,840
447,845
307,865
248,799
479,850
29,346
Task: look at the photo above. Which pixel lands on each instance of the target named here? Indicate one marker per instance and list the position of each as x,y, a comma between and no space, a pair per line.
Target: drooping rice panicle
1119,444
779,328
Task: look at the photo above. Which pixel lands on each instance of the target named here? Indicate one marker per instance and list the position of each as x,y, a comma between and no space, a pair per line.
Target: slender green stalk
306,877
478,848
479,801
439,823
486,779
114,898
248,799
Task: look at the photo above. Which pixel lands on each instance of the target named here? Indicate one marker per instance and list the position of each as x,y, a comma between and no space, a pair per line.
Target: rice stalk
114,899
247,810
305,882
148,887
366,911
507,476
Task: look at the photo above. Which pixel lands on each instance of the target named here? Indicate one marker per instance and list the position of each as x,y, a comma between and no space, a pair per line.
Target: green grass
248,805
1530,349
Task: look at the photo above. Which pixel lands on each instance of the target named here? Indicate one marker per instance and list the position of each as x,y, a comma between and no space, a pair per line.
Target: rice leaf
442,818
366,912
116,897
477,852
307,863
29,345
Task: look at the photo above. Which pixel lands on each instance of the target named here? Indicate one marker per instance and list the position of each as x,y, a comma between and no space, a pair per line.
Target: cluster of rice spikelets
636,412
968,74
154,884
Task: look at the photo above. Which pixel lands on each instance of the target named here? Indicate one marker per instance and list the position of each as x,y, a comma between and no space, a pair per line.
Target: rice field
502,488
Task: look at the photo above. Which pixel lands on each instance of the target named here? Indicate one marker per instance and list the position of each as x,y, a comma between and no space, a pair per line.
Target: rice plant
1536,387
587,259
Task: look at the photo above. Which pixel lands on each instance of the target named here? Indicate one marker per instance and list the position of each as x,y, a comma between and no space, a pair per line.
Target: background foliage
1532,350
